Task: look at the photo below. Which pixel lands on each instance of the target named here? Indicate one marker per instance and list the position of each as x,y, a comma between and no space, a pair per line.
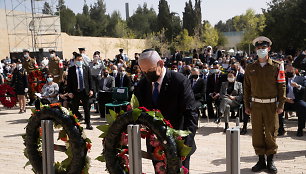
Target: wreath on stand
168,148
71,133
7,96
36,80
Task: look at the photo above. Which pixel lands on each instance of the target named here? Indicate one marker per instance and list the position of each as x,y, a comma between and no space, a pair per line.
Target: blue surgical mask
262,53
79,63
205,71
179,66
50,79
26,56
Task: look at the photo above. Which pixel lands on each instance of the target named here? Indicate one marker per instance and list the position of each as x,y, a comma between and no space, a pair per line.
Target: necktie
80,79
121,81
155,93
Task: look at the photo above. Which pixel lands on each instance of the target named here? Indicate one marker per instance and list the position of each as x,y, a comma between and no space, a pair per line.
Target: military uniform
56,68
30,65
263,95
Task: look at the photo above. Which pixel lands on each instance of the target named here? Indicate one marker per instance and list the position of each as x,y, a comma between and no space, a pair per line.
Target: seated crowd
216,79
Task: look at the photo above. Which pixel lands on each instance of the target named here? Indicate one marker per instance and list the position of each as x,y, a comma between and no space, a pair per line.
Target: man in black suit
79,86
170,92
295,90
214,82
106,85
123,80
198,86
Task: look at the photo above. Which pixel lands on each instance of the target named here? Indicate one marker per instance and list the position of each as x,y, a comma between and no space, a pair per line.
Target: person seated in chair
295,88
231,96
106,85
198,87
49,93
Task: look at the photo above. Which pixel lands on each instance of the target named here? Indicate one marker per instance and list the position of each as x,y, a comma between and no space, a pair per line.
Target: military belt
257,100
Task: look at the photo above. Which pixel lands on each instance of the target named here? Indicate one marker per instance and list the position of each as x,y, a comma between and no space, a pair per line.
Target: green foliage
158,41
68,20
251,24
143,21
286,23
210,35
183,41
136,113
192,17
134,102
47,9
183,149
164,19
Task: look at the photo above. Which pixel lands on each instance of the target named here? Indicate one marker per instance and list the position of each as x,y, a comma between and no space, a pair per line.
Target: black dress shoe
217,121
89,127
281,132
270,165
260,165
243,131
299,133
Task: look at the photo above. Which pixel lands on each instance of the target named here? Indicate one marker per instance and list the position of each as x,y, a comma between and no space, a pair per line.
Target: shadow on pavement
20,121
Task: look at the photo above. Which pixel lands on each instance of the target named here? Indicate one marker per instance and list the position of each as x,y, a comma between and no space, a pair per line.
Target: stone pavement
208,159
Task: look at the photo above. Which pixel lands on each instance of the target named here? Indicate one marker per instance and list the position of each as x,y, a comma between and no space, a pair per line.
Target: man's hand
70,95
231,97
294,84
247,111
289,100
279,110
90,93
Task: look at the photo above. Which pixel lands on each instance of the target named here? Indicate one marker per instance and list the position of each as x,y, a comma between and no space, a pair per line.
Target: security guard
264,98
29,64
55,67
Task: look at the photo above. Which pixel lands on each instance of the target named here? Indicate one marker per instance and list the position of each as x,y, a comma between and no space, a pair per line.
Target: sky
212,10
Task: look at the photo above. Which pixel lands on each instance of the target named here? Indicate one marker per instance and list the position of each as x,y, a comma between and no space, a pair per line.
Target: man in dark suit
170,92
106,85
214,82
79,86
123,80
177,56
198,86
295,89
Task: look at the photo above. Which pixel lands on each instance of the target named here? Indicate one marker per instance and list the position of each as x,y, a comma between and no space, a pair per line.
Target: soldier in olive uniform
29,64
55,67
264,98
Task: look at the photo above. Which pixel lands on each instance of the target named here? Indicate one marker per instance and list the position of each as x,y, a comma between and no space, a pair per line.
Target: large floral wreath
168,148
7,96
36,80
71,133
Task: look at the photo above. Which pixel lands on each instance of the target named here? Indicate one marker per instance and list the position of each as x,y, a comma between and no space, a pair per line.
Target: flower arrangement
36,80
7,96
159,148
83,146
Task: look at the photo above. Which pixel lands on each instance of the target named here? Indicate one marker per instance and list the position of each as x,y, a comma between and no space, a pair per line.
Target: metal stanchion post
47,146
134,144
233,149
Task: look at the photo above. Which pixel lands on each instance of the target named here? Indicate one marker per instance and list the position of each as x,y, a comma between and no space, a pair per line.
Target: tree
61,4
68,20
192,17
116,27
143,21
286,23
210,35
183,41
164,19
99,17
47,9
251,24
158,41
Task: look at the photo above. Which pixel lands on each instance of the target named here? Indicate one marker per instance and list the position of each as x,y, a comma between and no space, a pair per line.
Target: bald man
170,92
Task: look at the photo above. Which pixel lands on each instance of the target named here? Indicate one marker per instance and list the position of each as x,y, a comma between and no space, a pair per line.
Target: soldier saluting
264,98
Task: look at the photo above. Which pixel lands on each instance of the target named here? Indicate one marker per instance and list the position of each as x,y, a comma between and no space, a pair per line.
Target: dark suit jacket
198,89
300,62
240,77
237,92
72,80
214,86
127,82
109,83
298,94
176,101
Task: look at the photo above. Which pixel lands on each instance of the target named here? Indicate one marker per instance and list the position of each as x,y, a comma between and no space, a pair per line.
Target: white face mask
50,79
231,79
262,53
115,71
52,55
19,66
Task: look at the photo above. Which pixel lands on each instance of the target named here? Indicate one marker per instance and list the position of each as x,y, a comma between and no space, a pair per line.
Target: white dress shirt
77,72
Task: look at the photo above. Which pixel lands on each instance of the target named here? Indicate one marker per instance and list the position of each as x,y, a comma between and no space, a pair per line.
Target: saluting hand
90,93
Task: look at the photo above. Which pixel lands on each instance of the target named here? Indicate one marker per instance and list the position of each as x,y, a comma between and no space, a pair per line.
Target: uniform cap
120,50
25,51
97,53
262,41
81,49
51,51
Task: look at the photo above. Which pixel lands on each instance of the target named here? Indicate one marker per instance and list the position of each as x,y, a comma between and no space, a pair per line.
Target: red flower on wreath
123,152
7,96
124,139
168,123
52,105
159,153
144,109
160,168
